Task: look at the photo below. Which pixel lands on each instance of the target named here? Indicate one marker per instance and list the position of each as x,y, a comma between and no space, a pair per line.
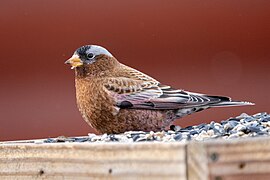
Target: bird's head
87,55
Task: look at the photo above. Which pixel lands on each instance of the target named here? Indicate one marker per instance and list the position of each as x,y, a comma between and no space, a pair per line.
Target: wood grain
214,159
229,160
100,161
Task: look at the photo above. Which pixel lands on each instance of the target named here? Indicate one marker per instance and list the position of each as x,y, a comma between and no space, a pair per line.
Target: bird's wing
137,90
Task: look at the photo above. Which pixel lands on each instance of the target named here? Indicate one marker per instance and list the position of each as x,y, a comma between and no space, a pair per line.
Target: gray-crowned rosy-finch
114,98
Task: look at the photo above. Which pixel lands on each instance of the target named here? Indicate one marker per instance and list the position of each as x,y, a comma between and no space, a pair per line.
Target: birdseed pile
240,126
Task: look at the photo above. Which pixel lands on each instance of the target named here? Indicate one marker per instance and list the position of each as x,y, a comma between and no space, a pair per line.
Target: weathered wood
216,159
197,161
229,160
86,160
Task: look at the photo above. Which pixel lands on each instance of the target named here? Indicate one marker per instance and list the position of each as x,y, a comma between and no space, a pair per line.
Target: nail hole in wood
214,157
110,171
41,172
242,165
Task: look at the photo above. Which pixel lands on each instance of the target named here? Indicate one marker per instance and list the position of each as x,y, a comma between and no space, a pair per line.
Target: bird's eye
90,56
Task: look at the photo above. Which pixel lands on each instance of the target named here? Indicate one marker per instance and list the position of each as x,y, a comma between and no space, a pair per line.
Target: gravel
238,127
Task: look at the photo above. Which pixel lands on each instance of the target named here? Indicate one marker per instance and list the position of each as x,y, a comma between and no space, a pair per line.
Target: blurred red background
214,47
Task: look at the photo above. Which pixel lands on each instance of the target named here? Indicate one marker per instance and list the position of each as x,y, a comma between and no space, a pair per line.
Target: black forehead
82,50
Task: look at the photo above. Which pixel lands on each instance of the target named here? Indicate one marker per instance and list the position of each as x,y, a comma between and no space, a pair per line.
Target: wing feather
138,90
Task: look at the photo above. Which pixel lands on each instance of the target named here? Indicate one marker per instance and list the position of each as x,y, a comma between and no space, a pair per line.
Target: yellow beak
74,61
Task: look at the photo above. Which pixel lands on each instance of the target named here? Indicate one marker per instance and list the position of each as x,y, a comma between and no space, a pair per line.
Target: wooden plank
215,159
230,160
197,166
93,160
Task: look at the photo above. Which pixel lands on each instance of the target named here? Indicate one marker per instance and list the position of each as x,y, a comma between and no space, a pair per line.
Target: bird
114,98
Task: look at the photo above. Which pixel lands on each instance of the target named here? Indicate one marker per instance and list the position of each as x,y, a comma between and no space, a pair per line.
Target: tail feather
231,103
222,103
215,101
226,101
201,102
